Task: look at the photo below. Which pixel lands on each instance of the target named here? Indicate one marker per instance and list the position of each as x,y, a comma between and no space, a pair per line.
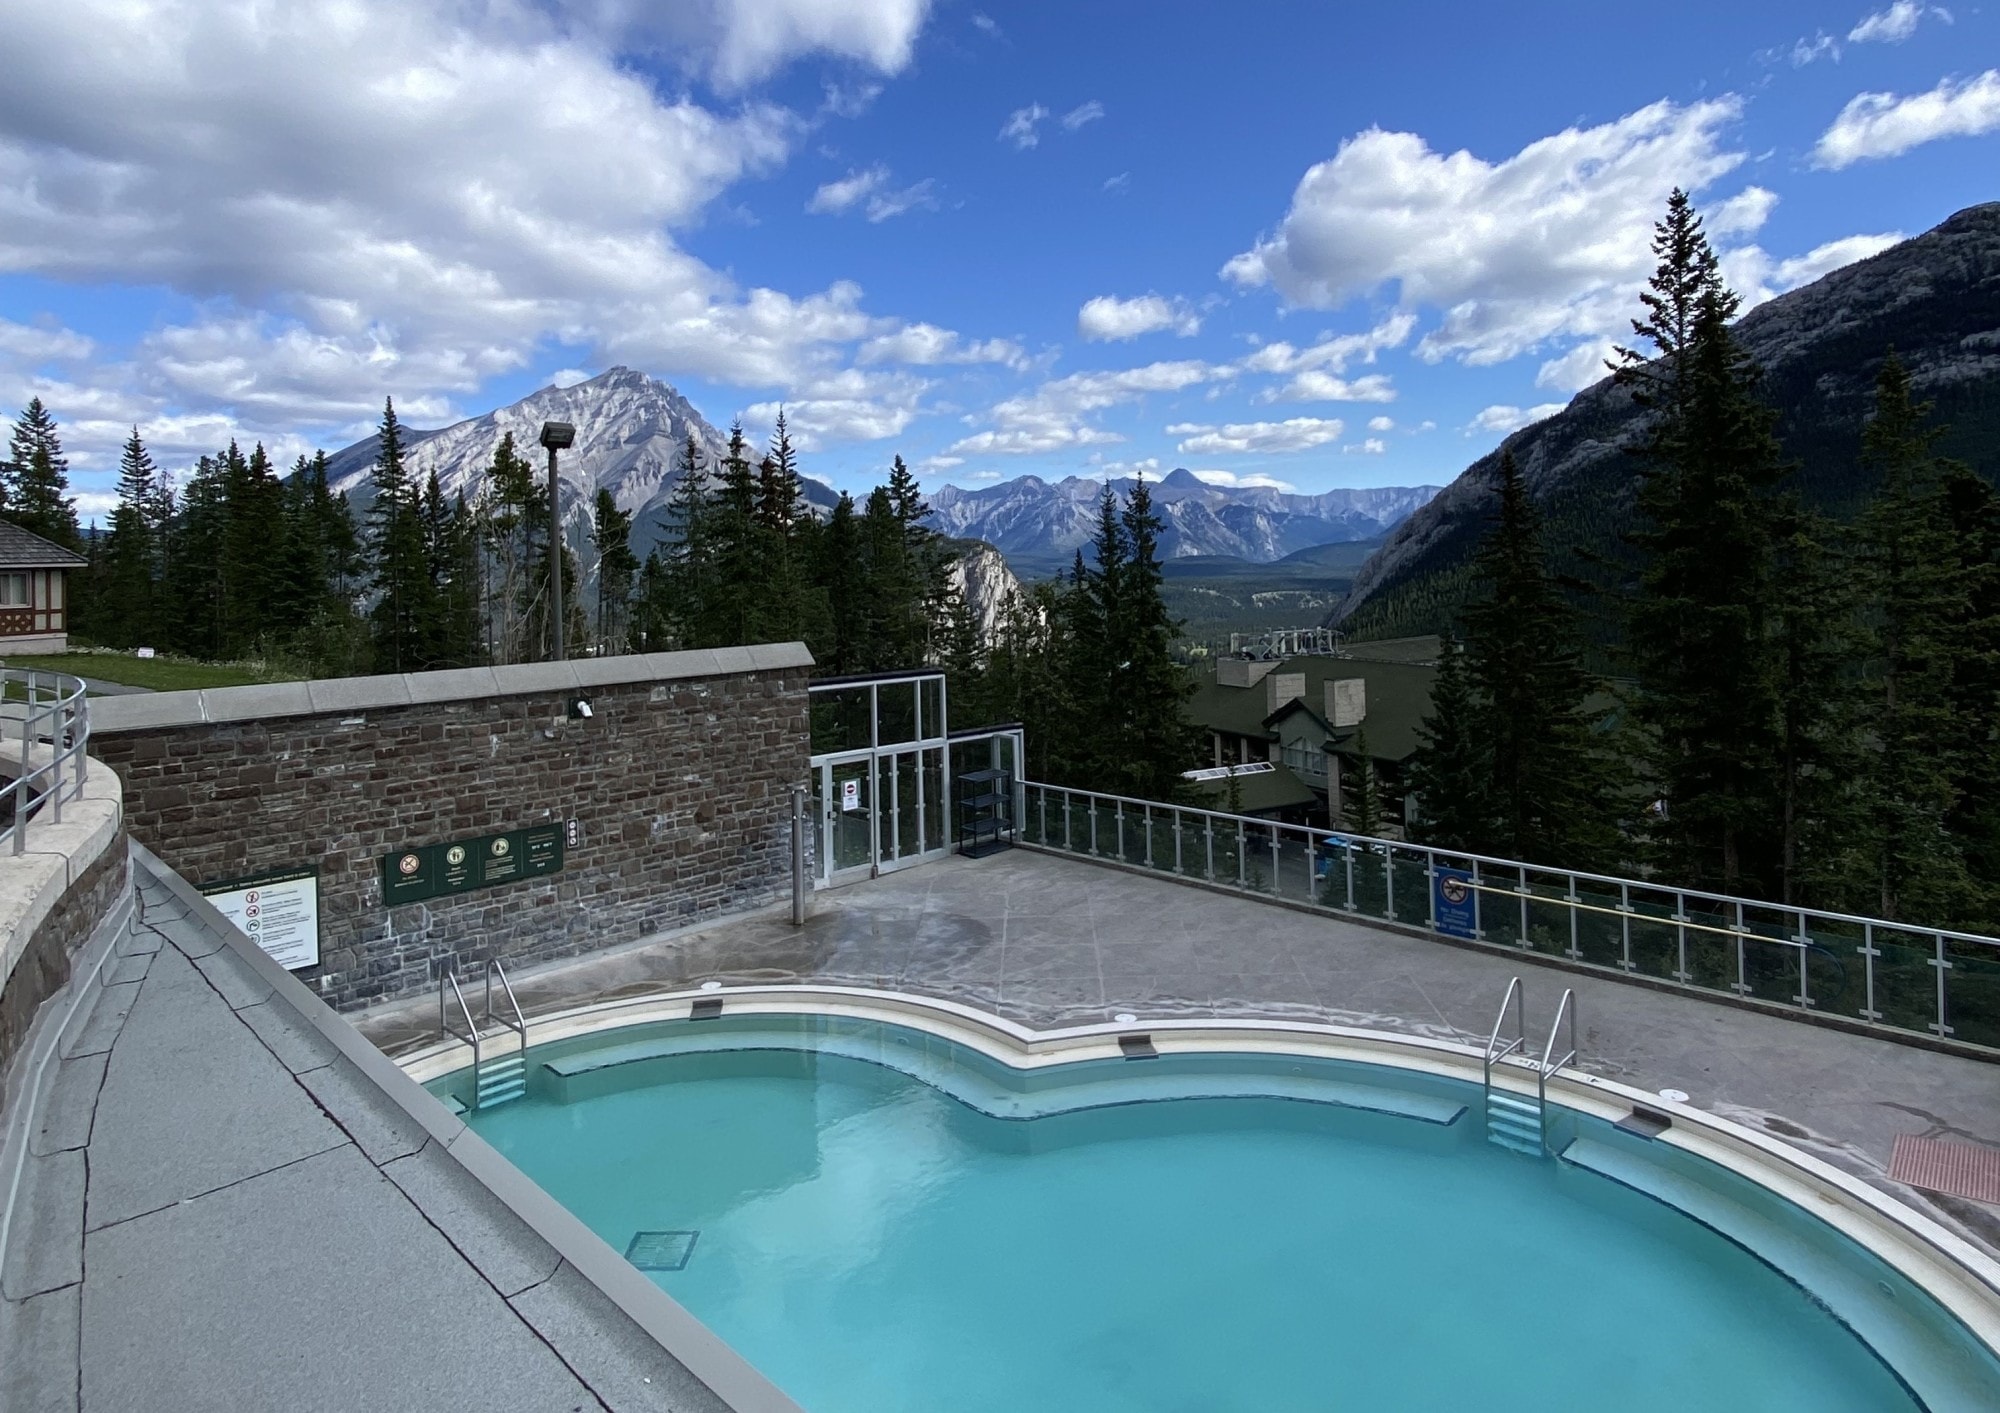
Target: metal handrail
1565,1010
63,722
520,1022
1055,817
1511,999
471,1035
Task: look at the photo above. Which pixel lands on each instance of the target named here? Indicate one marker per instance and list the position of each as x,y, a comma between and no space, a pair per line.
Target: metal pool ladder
497,1078
1516,1123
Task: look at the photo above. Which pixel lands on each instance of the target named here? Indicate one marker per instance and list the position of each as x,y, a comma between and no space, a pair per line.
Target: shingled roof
23,549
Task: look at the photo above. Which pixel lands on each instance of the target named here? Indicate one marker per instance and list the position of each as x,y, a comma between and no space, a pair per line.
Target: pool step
500,1079
1514,1123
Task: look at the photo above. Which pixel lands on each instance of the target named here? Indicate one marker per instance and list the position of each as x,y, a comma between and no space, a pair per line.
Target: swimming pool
882,1218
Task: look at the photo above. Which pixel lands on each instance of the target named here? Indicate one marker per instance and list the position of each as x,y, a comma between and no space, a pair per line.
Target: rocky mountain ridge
1935,298
1029,517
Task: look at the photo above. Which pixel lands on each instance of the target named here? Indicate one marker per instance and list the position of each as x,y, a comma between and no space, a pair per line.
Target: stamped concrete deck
1047,941
221,1210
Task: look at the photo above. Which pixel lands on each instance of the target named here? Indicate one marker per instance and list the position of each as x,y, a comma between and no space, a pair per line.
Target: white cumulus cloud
1083,113
1023,126
1551,243
1254,480
1293,434
1502,418
1757,277
1054,416
1381,424
871,191
1314,385
1108,317
1895,24
926,344
1883,125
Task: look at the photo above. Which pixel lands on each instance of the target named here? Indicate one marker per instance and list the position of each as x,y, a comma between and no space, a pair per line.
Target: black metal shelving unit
985,812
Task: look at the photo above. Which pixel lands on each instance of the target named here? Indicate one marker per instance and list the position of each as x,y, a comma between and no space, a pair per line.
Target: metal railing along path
48,713
1893,976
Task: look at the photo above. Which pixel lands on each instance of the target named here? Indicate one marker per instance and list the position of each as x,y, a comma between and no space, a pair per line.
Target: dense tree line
241,563
1803,711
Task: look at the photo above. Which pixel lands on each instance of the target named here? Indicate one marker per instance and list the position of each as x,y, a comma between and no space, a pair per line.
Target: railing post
1042,807
798,855
1276,890
1388,882
1804,939
1521,887
1147,815
1742,984
1118,813
1625,926
1242,848
1478,902
1094,851
1869,952
1208,828
1177,840
1681,972
1575,952
1347,851
1942,1024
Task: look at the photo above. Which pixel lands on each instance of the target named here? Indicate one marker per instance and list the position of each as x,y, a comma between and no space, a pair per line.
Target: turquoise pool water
882,1221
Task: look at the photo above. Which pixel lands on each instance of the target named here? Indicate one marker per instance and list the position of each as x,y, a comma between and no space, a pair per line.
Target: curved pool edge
1955,1273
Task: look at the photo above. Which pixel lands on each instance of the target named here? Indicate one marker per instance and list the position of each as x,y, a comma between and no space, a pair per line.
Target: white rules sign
277,911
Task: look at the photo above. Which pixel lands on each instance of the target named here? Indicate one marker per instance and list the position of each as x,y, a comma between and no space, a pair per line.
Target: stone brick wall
681,789
44,965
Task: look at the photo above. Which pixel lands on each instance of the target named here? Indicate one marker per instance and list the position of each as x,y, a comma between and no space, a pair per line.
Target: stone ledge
33,882
154,711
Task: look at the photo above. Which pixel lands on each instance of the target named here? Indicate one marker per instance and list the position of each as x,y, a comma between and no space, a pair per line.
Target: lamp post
555,436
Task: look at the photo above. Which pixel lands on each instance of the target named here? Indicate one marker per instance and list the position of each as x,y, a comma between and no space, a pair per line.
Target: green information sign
423,871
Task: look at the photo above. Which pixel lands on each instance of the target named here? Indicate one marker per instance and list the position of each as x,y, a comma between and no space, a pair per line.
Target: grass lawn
162,674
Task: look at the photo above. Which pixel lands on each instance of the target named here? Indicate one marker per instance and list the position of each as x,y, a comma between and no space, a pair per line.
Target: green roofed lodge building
1290,729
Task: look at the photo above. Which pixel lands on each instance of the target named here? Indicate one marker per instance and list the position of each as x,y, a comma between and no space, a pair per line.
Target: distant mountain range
1035,522
1934,298
630,429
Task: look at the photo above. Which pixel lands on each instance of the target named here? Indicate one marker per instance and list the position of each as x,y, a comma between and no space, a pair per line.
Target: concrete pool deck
221,1207
1047,941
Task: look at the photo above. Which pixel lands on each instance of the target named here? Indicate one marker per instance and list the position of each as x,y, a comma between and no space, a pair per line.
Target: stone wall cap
251,703
331,694
456,684
152,711
140,711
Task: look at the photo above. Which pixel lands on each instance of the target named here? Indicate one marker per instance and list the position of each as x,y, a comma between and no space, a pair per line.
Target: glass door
847,818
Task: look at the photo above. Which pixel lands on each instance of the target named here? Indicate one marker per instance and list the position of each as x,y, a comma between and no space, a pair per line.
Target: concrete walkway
220,1210
1050,941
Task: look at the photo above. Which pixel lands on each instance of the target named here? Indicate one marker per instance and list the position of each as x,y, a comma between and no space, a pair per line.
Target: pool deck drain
1955,1169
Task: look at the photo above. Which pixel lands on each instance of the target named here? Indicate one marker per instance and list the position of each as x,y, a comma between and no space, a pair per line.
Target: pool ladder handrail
505,1078
1507,1114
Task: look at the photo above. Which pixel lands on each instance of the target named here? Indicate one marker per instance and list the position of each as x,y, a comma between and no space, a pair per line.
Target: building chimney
1347,701
1285,687
1241,671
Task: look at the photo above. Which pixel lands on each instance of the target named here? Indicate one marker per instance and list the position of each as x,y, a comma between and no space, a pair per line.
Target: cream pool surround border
1957,1274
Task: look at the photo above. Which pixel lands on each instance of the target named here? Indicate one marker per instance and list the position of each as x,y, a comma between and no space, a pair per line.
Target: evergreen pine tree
37,496
845,577
1149,687
128,598
1551,798
1361,795
1918,600
679,598
617,568
1451,772
1700,622
1815,642
401,573
1973,512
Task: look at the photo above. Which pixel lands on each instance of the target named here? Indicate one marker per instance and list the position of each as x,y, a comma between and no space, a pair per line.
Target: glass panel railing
1786,958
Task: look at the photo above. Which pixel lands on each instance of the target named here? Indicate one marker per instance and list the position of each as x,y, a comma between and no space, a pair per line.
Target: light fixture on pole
555,436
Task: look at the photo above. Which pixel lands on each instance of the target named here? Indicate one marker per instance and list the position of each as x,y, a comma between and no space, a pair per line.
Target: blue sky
1315,244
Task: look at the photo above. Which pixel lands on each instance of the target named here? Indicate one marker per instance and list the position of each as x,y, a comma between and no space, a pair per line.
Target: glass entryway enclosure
883,758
